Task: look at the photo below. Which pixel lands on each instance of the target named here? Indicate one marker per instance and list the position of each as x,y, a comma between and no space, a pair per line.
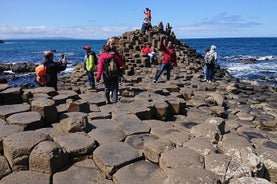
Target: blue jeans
205,72
152,55
91,79
163,67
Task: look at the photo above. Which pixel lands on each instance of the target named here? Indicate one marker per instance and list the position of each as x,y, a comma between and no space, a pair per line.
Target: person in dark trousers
168,59
53,68
205,65
90,61
111,84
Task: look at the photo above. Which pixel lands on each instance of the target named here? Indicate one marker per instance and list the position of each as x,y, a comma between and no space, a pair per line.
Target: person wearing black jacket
53,68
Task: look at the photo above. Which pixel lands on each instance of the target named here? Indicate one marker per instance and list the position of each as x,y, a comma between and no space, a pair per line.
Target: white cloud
95,32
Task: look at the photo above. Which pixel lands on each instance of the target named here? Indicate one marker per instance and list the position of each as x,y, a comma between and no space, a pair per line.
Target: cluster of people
146,24
210,61
110,55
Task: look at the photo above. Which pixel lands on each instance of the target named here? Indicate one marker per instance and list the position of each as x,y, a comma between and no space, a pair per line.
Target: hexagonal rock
142,172
201,145
29,120
106,135
26,177
4,167
162,110
153,149
182,157
81,172
73,122
7,110
76,144
207,130
45,90
160,128
11,96
242,152
46,108
102,123
47,157
99,115
218,164
130,124
18,146
138,140
94,98
6,130
251,180
267,151
112,156
77,106
191,176
178,138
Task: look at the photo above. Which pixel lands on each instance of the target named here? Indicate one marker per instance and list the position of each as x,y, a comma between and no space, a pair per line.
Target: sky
102,19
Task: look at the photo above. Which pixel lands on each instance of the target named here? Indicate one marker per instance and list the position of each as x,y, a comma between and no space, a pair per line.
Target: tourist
161,27
90,62
147,13
205,65
111,84
168,59
146,50
146,25
53,68
212,63
168,29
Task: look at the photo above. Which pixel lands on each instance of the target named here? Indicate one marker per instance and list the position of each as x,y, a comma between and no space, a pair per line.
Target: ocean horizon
250,58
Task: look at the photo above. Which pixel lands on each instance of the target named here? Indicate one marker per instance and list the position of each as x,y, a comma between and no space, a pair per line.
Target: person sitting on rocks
161,27
146,25
146,50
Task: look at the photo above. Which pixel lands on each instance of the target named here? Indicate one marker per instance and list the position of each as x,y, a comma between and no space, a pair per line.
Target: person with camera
53,68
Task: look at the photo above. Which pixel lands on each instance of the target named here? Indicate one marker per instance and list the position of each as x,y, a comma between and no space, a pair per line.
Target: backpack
210,58
41,75
90,65
111,69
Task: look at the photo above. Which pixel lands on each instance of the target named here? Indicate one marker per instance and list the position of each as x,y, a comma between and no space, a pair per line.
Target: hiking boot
154,81
203,80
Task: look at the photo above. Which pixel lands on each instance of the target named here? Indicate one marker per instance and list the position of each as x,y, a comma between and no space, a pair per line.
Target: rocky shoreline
176,131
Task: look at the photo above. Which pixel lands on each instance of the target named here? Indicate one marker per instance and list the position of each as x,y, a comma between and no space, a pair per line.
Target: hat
87,47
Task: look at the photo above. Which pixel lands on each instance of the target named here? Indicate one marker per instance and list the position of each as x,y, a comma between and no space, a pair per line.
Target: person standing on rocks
53,68
90,61
111,83
212,60
168,59
147,13
205,68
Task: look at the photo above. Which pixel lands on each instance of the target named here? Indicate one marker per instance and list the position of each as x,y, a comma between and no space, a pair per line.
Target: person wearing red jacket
111,85
168,59
146,50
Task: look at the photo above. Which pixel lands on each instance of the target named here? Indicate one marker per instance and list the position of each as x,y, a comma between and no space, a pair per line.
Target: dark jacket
52,70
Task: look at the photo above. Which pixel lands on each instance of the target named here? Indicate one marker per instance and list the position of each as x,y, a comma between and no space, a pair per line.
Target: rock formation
177,131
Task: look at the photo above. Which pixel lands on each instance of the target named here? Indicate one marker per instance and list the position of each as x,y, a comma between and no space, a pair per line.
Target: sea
244,58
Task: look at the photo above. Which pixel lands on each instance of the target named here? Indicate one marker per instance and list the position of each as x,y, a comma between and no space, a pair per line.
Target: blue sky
101,19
